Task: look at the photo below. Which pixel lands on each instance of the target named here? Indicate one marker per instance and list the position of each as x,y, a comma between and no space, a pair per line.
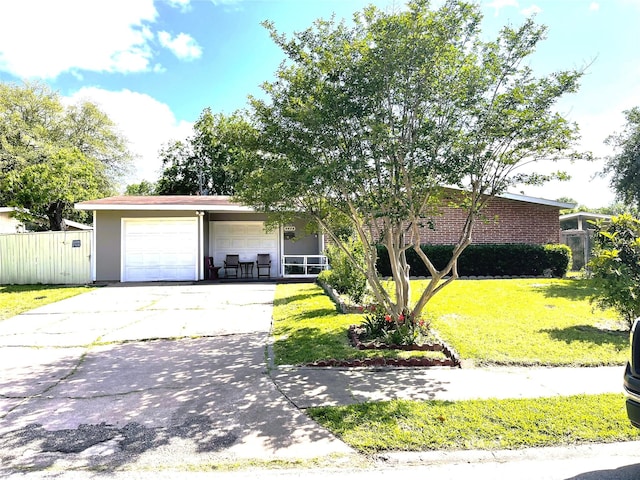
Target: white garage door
159,249
246,239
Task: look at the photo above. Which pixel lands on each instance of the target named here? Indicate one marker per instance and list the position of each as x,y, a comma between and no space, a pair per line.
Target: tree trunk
54,214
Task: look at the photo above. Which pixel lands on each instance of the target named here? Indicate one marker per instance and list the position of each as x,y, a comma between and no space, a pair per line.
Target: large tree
48,189
373,121
204,163
624,165
52,156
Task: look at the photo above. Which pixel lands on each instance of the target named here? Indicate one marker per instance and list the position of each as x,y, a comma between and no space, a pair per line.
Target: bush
558,257
615,266
488,260
343,276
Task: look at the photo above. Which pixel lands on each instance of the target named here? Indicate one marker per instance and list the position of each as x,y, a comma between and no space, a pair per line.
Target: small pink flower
388,318
360,309
401,318
421,322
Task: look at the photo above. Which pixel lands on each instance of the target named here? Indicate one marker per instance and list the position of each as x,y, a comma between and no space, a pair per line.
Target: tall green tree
205,163
52,156
374,120
624,165
48,189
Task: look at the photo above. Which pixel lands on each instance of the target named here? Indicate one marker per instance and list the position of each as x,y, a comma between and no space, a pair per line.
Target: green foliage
488,260
402,425
50,188
208,162
558,258
52,156
375,118
143,188
342,276
615,266
624,165
381,327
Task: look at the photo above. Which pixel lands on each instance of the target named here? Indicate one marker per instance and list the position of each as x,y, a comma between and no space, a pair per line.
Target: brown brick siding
506,221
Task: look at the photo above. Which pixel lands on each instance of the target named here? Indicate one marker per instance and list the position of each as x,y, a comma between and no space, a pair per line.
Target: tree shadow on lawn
588,333
308,297
307,345
576,290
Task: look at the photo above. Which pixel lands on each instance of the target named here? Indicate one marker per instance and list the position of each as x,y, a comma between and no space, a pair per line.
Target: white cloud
147,123
532,10
46,38
182,46
182,4
499,4
594,7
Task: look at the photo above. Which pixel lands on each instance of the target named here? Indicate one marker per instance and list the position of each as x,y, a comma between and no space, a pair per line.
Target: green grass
489,322
511,322
308,328
15,299
479,424
527,322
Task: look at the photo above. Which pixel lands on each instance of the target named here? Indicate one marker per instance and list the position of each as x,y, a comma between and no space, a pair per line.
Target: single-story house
153,238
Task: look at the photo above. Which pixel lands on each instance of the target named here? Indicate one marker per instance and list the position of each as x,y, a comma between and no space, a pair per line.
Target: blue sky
153,66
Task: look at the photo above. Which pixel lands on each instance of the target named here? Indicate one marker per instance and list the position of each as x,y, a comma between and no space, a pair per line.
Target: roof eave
536,200
166,208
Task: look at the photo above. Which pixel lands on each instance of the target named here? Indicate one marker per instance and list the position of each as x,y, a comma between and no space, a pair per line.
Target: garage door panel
246,239
159,249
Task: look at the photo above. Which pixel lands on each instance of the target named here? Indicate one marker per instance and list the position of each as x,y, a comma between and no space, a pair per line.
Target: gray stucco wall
109,239
303,244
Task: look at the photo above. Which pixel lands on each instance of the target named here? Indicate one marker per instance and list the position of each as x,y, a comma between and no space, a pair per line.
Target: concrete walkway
153,377
313,386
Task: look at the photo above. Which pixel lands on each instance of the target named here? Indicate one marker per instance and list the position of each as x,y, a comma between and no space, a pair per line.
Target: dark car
632,377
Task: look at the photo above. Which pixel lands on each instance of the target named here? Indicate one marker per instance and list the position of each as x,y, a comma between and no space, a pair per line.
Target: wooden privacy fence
48,258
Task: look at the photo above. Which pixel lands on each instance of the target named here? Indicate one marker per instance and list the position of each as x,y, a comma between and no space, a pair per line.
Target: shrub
343,276
379,325
615,266
488,260
558,257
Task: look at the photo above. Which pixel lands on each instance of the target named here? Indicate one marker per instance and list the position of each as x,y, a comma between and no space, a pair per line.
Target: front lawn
506,322
528,322
510,322
15,299
307,328
402,425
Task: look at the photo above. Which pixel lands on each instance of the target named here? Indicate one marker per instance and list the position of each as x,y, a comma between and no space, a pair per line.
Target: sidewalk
309,387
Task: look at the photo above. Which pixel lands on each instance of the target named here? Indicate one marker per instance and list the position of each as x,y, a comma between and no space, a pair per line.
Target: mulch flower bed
452,359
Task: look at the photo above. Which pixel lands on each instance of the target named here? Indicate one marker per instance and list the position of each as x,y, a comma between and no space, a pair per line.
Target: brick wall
506,221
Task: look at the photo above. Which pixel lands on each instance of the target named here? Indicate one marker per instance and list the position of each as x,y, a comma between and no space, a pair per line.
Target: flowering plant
378,324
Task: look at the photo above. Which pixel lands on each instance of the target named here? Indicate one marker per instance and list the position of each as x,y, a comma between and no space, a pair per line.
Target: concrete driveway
147,377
